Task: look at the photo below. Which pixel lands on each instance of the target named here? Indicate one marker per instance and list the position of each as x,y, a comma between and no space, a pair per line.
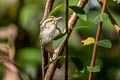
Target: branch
48,7
12,72
11,39
12,32
66,44
72,21
96,40
113,21
44,61
4,49
4,59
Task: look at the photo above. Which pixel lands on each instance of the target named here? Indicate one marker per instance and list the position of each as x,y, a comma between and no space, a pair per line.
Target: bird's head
50,21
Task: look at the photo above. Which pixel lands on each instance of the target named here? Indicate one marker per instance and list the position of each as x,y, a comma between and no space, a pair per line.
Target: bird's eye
52,21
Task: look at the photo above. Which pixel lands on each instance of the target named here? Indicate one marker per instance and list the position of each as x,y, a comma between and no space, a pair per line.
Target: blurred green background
27,14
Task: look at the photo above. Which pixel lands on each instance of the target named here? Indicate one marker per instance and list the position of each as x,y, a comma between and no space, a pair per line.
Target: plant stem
48,7
113,21
66,46
96,40
9,75
44,61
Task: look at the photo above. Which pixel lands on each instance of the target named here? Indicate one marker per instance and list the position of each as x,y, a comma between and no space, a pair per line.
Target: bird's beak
58,18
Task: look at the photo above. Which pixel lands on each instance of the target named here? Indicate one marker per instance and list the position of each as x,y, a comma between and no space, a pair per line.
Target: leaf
80,12
80,27
78,62
59,40
56,9
74,76
88,41
105,43
105,17
101,17
77,74
118,1
60,36
59,57
93,69
82,71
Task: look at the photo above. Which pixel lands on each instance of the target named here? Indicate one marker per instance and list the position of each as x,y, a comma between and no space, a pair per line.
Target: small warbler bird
48,31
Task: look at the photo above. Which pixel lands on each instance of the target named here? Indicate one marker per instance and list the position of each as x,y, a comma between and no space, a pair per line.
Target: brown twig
48,7
4,33
72,21
4,59
8,75
96,40
66,44
4,49
44,61
11,39
113,21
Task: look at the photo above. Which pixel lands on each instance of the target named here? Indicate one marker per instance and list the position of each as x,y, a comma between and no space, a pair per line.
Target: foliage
88,41
105,43
59,57
55,10
81,27
78,63
59,40
103,17
80,12
118,1
93,69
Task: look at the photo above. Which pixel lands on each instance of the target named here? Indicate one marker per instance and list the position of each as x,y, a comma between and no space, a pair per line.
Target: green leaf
78,62
81,27
74,76
105,43
55,10
59,40
60,36
80,12
118,1
82,71
77,74
101,17
93,69
59,57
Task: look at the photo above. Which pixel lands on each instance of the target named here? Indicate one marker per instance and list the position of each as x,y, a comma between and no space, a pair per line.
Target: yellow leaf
88,41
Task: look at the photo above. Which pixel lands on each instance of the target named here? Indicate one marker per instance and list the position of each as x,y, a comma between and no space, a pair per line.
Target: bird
48,31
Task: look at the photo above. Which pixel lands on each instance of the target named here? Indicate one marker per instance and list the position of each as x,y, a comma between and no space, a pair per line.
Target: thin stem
96,40
66,48
48,7
113,21
44,61
12,30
